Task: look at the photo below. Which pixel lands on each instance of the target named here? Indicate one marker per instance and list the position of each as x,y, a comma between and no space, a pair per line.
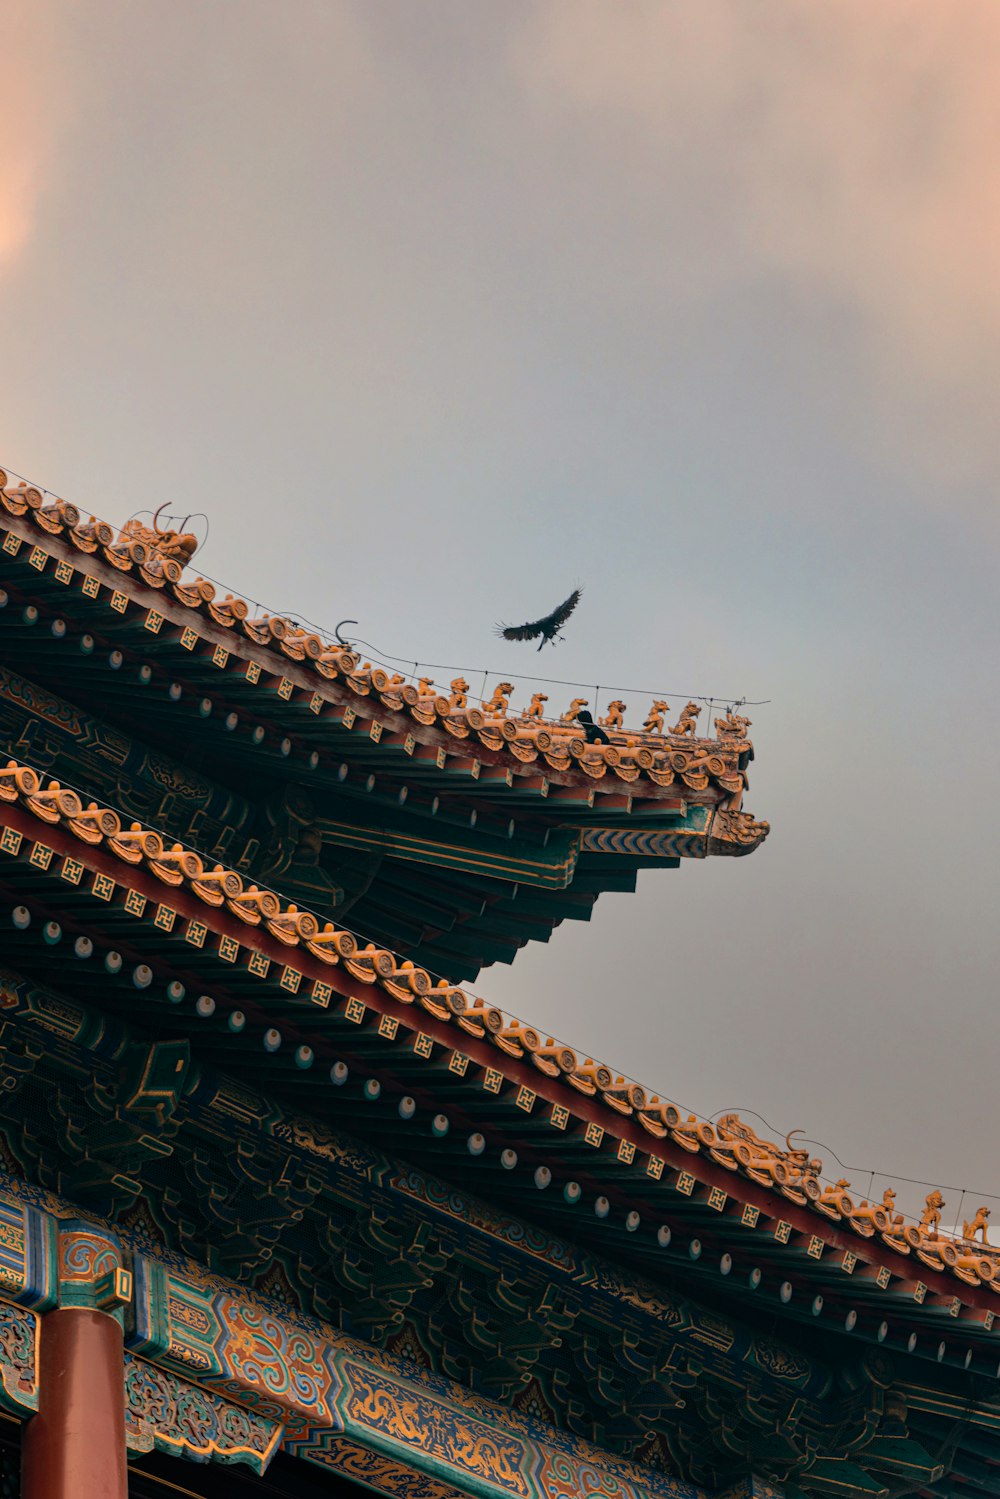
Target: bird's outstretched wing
559,616
547,625
521,632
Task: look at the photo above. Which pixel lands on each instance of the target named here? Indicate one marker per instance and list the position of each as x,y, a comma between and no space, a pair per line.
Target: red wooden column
74,1448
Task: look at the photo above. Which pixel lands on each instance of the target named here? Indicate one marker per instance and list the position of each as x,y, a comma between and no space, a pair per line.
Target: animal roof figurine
977,1225
180,545
654,718
686,723
499,701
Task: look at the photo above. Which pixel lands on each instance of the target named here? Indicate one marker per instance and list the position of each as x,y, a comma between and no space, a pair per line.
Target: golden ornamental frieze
403,1415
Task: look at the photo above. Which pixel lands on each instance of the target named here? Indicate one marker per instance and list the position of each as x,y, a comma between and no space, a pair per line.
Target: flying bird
548,627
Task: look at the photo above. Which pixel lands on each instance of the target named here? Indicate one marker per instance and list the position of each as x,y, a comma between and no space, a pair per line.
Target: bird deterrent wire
872,1174
487,672
717,697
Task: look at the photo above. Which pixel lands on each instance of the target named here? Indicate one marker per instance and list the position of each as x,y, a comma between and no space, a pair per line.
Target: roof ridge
657,754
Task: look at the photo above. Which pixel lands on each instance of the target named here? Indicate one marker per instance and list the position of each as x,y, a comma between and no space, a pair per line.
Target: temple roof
231,1023
451,831
691,791
645,760
320,994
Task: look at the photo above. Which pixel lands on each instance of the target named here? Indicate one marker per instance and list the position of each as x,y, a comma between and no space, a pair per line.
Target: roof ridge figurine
178,545
656,716
686,723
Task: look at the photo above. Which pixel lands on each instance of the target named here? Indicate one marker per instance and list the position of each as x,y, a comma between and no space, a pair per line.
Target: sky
437,309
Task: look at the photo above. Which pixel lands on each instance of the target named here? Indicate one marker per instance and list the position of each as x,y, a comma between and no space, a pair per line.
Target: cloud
847,150
34,100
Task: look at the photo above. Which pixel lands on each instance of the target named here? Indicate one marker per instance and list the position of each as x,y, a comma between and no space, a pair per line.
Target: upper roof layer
649,760
453,833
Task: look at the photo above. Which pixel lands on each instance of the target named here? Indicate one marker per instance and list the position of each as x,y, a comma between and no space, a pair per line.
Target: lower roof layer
313,994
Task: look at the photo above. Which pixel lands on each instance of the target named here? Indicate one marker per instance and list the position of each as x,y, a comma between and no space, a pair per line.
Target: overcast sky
438,308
